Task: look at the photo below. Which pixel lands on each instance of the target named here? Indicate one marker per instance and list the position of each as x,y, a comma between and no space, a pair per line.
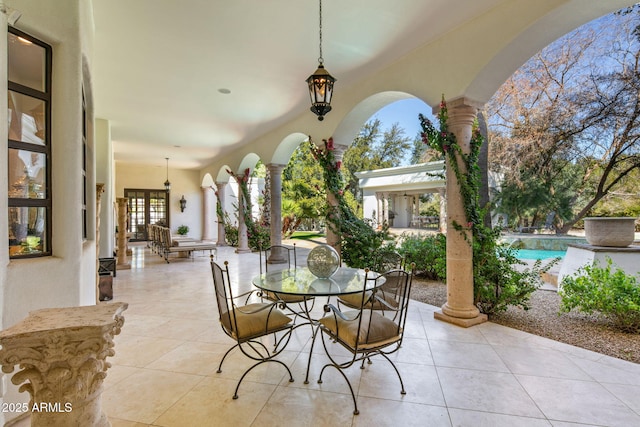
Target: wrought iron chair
386,261
248,323
366,333
389,294
289,255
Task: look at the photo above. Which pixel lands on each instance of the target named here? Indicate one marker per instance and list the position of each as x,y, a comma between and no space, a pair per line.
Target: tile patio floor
163,372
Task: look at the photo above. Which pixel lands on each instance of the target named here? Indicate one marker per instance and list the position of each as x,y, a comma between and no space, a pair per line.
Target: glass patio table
301,282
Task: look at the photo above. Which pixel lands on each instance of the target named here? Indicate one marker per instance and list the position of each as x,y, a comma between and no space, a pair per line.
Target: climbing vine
359,242
497,284
258,234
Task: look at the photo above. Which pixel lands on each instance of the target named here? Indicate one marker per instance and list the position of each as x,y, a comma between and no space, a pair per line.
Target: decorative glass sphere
323,261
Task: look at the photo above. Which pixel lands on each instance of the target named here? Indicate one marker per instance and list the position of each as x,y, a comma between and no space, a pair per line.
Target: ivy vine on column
258,234
361,245
497,284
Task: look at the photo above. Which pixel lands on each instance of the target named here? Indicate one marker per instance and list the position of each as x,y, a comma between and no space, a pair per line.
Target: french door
146,207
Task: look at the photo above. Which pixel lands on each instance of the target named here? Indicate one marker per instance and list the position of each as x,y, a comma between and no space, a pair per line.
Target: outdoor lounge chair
182,246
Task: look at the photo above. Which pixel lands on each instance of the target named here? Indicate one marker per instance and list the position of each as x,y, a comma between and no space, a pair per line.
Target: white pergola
392,195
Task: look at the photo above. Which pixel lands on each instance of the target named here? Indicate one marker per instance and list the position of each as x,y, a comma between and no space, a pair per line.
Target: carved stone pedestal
62,356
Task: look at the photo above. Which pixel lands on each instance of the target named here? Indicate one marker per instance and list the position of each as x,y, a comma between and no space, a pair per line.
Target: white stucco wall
67,278
396,183
183,182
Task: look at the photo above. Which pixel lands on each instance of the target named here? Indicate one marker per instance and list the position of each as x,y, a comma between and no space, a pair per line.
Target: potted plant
609,231
183,230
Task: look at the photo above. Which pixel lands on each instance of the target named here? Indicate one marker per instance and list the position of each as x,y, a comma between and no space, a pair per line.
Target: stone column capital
61,354
459,104
338,150
275,167
462,112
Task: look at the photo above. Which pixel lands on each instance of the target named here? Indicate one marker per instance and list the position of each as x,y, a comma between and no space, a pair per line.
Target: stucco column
99,191
275,191
392,207
208,212
385,208
122,263
459,308
332,238
221,195
379,208
104,173
243,240
442,227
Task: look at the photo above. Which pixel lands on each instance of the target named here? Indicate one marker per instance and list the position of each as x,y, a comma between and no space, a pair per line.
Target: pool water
538,254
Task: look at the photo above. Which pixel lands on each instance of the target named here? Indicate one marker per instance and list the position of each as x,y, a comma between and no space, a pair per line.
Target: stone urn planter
610,231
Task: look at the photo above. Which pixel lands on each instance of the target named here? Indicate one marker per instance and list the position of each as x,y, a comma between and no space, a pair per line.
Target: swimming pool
538,254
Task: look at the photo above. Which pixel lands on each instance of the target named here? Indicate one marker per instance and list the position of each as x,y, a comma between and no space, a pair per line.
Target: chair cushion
274,296
252,321
355,300
387,297
382,330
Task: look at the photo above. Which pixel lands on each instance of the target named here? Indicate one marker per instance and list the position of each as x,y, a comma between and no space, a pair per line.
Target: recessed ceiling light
224,90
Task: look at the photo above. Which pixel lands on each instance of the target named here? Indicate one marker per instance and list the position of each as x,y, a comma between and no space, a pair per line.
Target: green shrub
258,236
429,253
360,242
612,295
386,258
499,283
499,278
230,231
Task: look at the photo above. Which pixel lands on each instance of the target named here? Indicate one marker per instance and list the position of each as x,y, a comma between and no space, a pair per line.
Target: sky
405,113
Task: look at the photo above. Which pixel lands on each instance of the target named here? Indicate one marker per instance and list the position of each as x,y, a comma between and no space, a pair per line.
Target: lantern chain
320,59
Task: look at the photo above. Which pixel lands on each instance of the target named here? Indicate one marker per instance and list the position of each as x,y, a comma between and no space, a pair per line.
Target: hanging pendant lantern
167,184
321,84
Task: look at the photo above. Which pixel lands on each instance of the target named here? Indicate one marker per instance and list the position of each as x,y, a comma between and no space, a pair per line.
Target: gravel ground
580,330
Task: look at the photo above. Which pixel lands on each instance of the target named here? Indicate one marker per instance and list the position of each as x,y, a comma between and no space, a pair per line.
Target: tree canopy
304,195
565,125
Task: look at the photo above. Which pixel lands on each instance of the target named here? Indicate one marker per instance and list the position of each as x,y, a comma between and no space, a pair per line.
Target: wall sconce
183,203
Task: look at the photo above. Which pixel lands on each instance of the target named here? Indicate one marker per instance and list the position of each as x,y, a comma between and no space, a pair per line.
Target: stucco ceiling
159,65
